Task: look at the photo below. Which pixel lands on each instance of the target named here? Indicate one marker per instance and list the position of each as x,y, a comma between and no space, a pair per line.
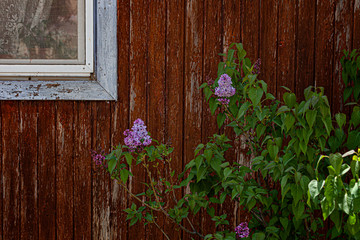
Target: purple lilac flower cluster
138,137
242,231
256,69
98,158
224,90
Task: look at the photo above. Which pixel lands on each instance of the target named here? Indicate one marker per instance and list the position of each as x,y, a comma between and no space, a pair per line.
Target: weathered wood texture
166,48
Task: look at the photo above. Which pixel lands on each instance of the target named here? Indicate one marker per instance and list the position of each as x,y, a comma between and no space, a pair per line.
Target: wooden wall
167,48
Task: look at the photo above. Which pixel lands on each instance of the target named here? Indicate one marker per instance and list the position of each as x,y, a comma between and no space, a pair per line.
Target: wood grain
100,178
174,127
11,170
156,88
286,47
268,43
305,46
64,169
356,29
46,170
139,29
28,152
343,41
213,26
232,12
82,170
194,40
324,45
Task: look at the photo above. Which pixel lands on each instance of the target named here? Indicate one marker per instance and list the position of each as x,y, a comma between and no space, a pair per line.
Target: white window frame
96,80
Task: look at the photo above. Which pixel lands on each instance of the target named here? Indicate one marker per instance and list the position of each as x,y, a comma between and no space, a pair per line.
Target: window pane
39,31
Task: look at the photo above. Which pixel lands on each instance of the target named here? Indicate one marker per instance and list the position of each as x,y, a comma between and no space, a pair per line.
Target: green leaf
284,222
347,93
346,204
129,159
304,183
336,161
273,150
328,124
327,207
298,210
244,107
213,105
330,188
221,119
315,188
289,121
355,116
208,92
311,117
227,173
289,99
255,95
258,236
340,119
112,165
260,129
352,219
124,175
296,192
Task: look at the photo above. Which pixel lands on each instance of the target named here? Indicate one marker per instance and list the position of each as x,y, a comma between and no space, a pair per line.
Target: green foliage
296,170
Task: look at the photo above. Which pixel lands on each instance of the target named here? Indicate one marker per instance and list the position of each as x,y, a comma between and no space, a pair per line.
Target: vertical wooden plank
231,33
343,38
1,179
324,45
268,43
356,29
100,181
156,86
46,170
175,89
231,23
194,41
28,170
212,47
64,169
82,170
11,170
286,47
120,119
305,46
250,30
139,10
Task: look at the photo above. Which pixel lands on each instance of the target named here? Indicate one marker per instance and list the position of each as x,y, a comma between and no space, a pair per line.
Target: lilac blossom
225,89
138,136
98,158
242,230
256,69
224,101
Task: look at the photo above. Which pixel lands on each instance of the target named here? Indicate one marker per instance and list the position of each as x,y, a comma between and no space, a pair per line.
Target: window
50,49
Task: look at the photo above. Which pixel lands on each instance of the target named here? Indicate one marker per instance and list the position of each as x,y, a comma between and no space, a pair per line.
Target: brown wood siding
167,48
